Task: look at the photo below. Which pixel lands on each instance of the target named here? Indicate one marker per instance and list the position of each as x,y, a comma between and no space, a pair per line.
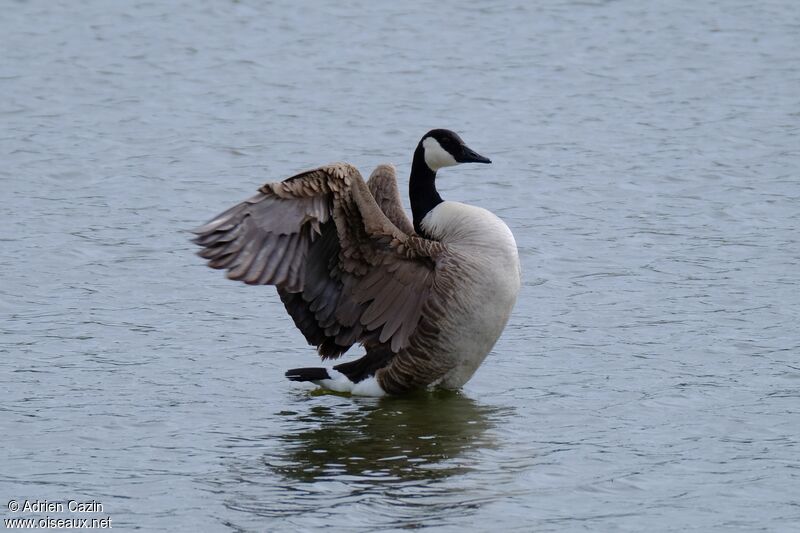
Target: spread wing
382,184
343,270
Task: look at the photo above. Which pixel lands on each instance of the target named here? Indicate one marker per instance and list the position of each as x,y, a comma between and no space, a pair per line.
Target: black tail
307,374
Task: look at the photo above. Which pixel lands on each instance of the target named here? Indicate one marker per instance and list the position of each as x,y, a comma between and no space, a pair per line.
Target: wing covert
344,271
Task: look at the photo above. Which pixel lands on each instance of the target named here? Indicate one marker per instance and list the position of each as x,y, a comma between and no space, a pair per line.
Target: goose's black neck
422,189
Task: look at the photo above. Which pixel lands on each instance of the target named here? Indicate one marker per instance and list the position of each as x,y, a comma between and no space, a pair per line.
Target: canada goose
427,301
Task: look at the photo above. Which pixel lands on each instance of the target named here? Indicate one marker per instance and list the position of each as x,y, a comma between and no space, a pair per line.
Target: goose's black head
444,148
437,149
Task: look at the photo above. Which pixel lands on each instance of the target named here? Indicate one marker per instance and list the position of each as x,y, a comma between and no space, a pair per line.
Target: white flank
338,382
368,387
341,383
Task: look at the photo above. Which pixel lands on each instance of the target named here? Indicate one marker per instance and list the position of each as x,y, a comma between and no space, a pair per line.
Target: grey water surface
646,157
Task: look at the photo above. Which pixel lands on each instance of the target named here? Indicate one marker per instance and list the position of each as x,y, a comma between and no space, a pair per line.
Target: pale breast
476,234
486,272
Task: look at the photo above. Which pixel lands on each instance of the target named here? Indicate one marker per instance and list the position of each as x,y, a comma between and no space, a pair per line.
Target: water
645,156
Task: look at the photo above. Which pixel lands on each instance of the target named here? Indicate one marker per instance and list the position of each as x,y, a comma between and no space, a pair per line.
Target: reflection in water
395,453
412,437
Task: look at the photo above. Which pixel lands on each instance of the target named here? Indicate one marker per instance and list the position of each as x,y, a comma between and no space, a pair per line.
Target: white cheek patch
437,157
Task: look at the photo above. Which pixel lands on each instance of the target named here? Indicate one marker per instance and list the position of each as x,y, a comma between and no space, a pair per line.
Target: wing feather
259,262
341,252
382,184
